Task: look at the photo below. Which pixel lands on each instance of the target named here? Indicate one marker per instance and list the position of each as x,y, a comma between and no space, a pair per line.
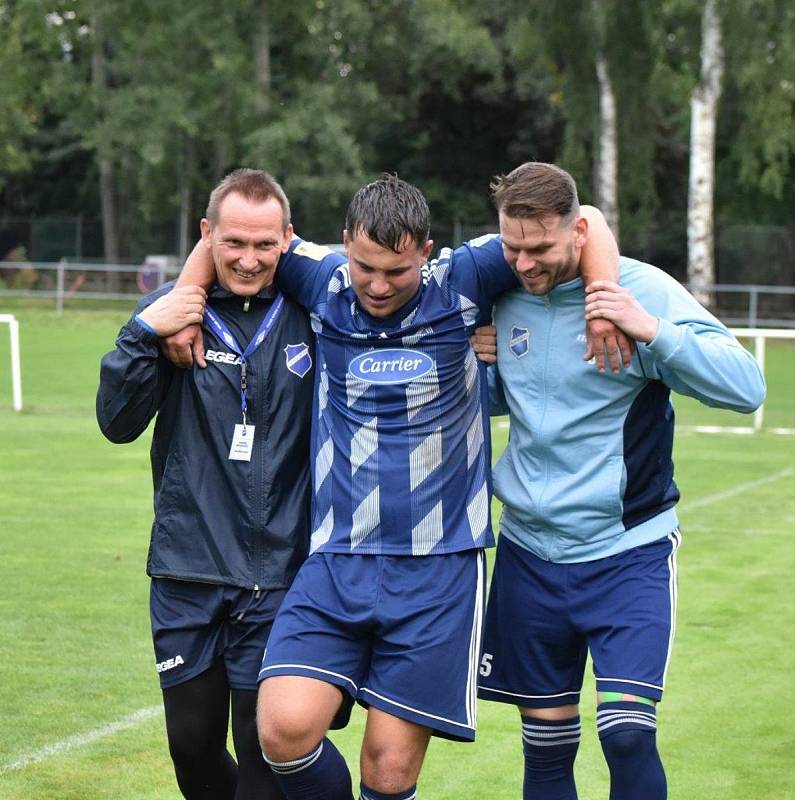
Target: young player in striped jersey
387,610
588,537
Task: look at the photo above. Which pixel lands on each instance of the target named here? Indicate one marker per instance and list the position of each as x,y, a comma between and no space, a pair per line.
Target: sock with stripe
370,794
628,733
550,747
319,775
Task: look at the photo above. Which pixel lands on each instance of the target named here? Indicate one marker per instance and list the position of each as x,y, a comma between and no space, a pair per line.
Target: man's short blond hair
253,184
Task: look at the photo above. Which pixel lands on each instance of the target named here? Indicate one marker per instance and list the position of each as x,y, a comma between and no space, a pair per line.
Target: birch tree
606,184
701,189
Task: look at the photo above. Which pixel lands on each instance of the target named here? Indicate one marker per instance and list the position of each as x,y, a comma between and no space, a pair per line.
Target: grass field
79,699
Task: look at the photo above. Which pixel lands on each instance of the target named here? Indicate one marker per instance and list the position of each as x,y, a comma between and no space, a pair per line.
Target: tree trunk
262,57
185,173
219,161
700,201
107,172
607,162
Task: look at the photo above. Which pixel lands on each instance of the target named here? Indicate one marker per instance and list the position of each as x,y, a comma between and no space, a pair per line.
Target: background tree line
130,112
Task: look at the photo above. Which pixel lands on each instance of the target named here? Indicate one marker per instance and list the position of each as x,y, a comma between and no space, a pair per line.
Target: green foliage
764,143
309,145
445,92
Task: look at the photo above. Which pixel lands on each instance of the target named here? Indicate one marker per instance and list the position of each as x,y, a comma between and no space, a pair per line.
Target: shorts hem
528,700
240,687
443,728
170,681
306,671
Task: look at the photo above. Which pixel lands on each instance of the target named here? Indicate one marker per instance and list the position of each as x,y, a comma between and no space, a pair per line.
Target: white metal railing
143,277
753,290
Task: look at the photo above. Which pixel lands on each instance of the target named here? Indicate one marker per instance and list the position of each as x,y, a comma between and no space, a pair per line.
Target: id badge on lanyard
243,436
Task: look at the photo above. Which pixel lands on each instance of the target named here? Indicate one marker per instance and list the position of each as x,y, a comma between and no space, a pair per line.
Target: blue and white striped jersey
400,440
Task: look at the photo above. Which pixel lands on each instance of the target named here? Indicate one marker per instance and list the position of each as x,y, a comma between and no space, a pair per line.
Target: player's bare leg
293,715
392,753
550,738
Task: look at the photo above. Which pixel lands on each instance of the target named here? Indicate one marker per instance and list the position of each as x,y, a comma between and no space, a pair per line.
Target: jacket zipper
545,388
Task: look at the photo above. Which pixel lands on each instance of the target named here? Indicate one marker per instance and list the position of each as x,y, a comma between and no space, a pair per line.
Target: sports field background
79,698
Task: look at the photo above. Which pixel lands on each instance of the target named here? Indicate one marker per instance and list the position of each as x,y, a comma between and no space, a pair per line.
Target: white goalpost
760,337
16,374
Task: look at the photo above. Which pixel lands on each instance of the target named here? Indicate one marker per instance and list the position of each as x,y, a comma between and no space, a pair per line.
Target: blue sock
319,775
550,747
628,732
370,794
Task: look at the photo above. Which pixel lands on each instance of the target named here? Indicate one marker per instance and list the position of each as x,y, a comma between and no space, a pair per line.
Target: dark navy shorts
399,633
194,624
543,618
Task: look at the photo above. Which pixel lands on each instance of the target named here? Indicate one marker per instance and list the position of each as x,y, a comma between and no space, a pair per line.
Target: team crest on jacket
297,358
520,341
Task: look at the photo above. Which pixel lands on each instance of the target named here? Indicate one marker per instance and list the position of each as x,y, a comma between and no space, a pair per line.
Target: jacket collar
219,293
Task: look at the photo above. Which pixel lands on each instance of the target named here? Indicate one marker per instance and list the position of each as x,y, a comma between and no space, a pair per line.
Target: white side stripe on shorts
474,648
675,537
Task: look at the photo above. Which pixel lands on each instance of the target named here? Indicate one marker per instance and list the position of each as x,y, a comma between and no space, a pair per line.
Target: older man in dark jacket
230,464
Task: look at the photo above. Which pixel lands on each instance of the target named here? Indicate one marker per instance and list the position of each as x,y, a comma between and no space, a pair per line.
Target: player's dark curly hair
390,212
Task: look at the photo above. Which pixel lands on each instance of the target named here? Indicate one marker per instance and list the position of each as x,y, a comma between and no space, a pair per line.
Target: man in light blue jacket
587,554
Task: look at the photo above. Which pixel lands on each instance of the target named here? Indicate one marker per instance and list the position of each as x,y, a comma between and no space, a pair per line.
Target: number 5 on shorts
485,665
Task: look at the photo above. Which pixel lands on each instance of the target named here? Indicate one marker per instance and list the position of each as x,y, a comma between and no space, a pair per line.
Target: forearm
132,383
599,257
199,269
704,361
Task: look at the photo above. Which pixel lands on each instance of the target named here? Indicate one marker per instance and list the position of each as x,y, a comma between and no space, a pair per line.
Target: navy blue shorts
194,624
543,618
399,633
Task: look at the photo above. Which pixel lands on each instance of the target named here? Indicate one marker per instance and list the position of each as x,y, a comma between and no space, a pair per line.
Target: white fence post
16,373
59,287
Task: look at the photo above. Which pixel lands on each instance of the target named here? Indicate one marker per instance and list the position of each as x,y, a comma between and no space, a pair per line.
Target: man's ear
427,249
206,230
580,232
288,237
346,239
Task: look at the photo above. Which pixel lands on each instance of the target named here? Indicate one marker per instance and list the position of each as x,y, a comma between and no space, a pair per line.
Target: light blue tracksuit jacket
587,472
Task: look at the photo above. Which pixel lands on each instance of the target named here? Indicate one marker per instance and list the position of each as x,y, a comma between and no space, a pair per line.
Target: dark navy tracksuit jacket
233,523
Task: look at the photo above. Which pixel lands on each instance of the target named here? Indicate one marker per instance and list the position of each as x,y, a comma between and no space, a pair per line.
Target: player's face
384,281
542,252
246,243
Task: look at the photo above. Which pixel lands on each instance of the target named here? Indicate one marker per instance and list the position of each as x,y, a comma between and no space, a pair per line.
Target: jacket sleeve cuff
667,340
146,332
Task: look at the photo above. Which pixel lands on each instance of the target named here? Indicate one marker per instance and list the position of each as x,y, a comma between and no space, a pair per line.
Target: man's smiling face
247,242
542,251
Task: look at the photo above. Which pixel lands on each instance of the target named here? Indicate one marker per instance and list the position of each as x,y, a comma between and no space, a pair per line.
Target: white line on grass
739,489
81,739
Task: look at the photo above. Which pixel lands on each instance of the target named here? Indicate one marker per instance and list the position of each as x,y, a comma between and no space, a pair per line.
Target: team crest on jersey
298,359
520,341
390,365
